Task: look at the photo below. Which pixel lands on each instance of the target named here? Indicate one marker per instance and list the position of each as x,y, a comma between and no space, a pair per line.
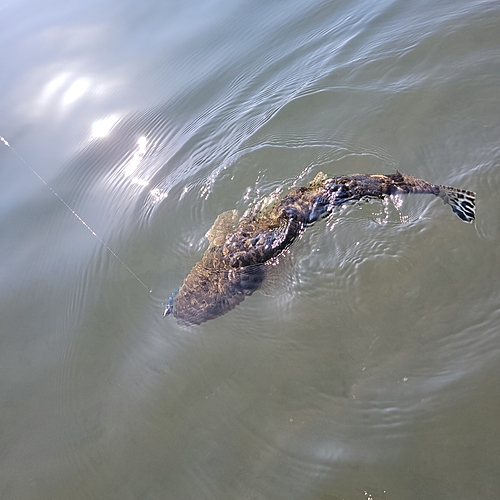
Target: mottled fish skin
233,266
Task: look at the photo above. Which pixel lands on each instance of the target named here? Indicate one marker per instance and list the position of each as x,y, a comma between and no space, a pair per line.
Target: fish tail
462,202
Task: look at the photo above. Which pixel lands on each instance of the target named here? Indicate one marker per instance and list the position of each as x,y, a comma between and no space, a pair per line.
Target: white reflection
76,90
53,86
102,127
135,161
158,195
397,200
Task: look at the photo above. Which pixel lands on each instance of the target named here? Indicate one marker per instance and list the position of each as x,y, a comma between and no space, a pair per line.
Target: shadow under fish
233,266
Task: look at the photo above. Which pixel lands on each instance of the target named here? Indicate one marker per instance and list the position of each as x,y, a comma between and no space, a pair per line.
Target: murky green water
368,369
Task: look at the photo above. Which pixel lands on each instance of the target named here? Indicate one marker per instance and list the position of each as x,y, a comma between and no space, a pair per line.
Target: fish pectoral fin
318,180
225,224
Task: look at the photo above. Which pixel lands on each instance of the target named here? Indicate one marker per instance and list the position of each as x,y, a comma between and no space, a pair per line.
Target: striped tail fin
462,202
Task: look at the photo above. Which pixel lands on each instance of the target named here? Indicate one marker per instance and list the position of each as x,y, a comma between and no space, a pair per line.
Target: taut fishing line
74,213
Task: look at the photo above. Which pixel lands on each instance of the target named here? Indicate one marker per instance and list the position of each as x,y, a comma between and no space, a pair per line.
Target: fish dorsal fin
225,223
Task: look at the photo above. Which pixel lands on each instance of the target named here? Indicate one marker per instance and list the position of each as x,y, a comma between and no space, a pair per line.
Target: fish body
234,265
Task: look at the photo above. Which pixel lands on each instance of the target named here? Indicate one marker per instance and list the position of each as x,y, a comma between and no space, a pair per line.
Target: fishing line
75,214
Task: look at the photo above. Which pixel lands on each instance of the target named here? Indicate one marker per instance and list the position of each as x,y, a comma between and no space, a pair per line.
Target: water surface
368,369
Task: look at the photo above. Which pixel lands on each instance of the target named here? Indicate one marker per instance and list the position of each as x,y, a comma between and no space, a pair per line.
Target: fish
234,264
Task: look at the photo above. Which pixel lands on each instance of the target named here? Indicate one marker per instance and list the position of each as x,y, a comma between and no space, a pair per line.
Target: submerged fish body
234,265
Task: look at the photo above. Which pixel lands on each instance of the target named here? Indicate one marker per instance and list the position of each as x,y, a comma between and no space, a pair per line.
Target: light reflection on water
372,355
